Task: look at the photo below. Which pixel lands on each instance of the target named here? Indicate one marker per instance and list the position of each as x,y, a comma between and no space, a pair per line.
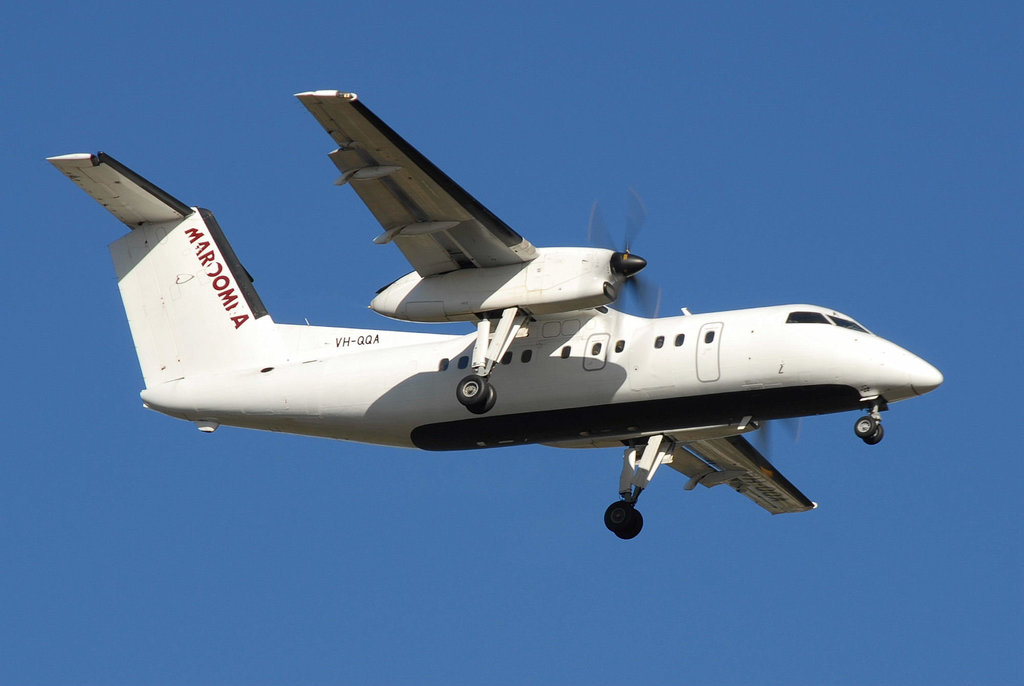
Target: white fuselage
585,377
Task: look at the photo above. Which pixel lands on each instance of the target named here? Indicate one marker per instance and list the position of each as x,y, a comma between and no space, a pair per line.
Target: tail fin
191,305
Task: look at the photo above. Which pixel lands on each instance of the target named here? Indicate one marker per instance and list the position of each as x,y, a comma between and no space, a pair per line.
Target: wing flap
733,460
437,225
128,196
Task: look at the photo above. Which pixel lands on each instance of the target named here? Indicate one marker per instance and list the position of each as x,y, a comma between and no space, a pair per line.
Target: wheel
636,523
623,520
487,404
617,514
472,390
876,437
865,427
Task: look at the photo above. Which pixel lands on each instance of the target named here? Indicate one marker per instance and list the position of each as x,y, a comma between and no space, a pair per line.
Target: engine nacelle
557,280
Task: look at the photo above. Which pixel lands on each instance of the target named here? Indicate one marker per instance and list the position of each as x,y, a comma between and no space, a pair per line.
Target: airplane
573,372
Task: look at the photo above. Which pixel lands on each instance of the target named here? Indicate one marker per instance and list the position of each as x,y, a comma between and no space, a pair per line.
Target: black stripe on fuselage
667,414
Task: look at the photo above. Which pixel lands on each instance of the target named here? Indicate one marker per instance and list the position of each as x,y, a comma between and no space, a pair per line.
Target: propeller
764,438
645,297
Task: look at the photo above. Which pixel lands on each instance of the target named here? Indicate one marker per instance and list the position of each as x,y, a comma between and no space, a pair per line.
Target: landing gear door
596,354
707,351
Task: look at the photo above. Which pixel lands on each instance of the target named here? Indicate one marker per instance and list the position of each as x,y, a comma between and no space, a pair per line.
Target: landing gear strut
639,463
869,428
475,391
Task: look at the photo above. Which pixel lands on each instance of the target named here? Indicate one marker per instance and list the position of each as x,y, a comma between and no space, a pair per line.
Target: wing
734,461
433,221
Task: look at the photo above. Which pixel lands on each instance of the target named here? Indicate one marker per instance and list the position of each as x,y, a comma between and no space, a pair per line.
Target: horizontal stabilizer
128,196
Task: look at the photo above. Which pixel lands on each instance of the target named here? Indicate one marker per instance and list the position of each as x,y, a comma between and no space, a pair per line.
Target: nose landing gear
869,429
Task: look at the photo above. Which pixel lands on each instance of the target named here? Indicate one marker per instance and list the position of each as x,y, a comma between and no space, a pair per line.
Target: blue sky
867,157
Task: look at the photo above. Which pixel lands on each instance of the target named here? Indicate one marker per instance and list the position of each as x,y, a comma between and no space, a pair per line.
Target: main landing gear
869,428
475,391
639,463
623,519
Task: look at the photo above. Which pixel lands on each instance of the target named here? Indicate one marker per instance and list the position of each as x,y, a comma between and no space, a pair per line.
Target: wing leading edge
733,460
437,225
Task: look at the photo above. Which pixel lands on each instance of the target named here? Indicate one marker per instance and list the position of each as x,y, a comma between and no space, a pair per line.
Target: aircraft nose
923,376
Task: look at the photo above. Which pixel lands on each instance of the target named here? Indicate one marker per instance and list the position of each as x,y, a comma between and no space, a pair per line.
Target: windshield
808,317
848,324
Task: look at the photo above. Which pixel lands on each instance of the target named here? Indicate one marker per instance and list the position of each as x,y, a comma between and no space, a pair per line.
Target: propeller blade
638,296
636,215
597,231
646,295
764,439
793,427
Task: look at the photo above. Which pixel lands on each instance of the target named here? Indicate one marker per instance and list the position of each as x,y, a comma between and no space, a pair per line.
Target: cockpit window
807,318
848,324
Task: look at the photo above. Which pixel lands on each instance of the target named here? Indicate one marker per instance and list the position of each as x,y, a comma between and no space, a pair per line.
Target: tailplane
191,305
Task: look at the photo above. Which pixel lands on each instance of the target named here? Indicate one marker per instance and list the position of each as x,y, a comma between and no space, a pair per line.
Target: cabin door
707,351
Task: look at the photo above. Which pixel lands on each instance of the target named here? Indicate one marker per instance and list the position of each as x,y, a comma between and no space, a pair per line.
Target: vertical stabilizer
191,305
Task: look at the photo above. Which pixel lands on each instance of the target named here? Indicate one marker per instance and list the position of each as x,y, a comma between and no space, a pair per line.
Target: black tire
472,390
876,438
623,520
866,426
618,515
636,523
487,404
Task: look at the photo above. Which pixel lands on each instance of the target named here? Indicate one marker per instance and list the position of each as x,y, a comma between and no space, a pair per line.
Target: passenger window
596,350
443,365
526,356
620,346
659,341
463,362
565,352
507,357
679,339
709,337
